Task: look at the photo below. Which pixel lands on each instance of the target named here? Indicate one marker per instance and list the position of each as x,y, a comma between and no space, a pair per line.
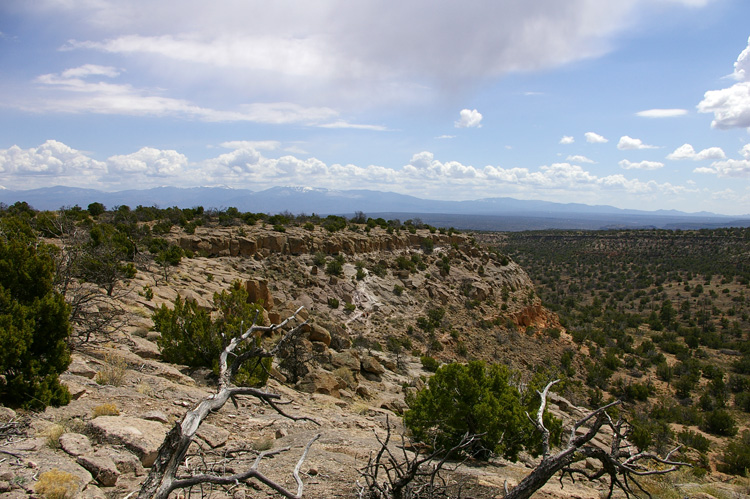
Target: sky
631,103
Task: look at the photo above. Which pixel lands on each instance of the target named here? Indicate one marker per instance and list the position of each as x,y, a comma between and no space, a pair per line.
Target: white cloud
742,64
247,166
595,138
731,106
579,159
344,124
76,95
350,50
470,118
266,145
733,168
745,151
686,151
567,139
627,143
445,137
149,162
641,165
90,70
661,113
51,159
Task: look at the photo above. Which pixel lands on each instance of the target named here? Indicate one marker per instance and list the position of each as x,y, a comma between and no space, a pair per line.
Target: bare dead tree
410,476
621,461
91,291
163,479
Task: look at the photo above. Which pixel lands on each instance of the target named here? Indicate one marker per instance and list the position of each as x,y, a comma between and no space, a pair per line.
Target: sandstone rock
93,492
364,392
6,414
156,416
144,348
126,462
75,444
340,339
212,435
101,467
258,291
346,359
76,389
80,367
140,436
371,365
321,382
320,334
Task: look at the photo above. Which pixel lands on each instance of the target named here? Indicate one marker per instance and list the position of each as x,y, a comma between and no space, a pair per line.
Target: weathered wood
162,479
619,463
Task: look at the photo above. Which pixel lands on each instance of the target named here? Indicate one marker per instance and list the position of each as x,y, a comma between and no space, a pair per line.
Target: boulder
320,334
126,462
101,467
144,348
212,435
322,382
6,414
346,359
140,436
257,290
371,365
75,444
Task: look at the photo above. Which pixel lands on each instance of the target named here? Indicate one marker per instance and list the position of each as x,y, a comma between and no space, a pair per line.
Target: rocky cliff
368,297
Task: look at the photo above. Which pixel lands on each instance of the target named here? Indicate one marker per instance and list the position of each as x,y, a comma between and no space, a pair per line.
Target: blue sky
632,103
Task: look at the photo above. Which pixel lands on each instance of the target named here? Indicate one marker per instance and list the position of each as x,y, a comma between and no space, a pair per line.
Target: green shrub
333,302
736,459
190,336
34,321
319,259
720,422
336,266
429,363
694,440
480,400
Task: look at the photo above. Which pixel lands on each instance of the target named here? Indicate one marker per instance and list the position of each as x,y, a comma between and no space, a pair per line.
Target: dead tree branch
620,462
162,478
410,477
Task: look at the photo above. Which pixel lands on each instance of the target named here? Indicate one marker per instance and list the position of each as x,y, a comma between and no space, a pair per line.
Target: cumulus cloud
579,159
567,139
641,165
686,151
733,168
745,151
469,118
248,164
149,162
731,106
627,143
595,138
51,159
742,64
661,113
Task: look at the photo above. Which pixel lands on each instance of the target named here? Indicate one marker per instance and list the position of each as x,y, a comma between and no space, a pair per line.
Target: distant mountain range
483,214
